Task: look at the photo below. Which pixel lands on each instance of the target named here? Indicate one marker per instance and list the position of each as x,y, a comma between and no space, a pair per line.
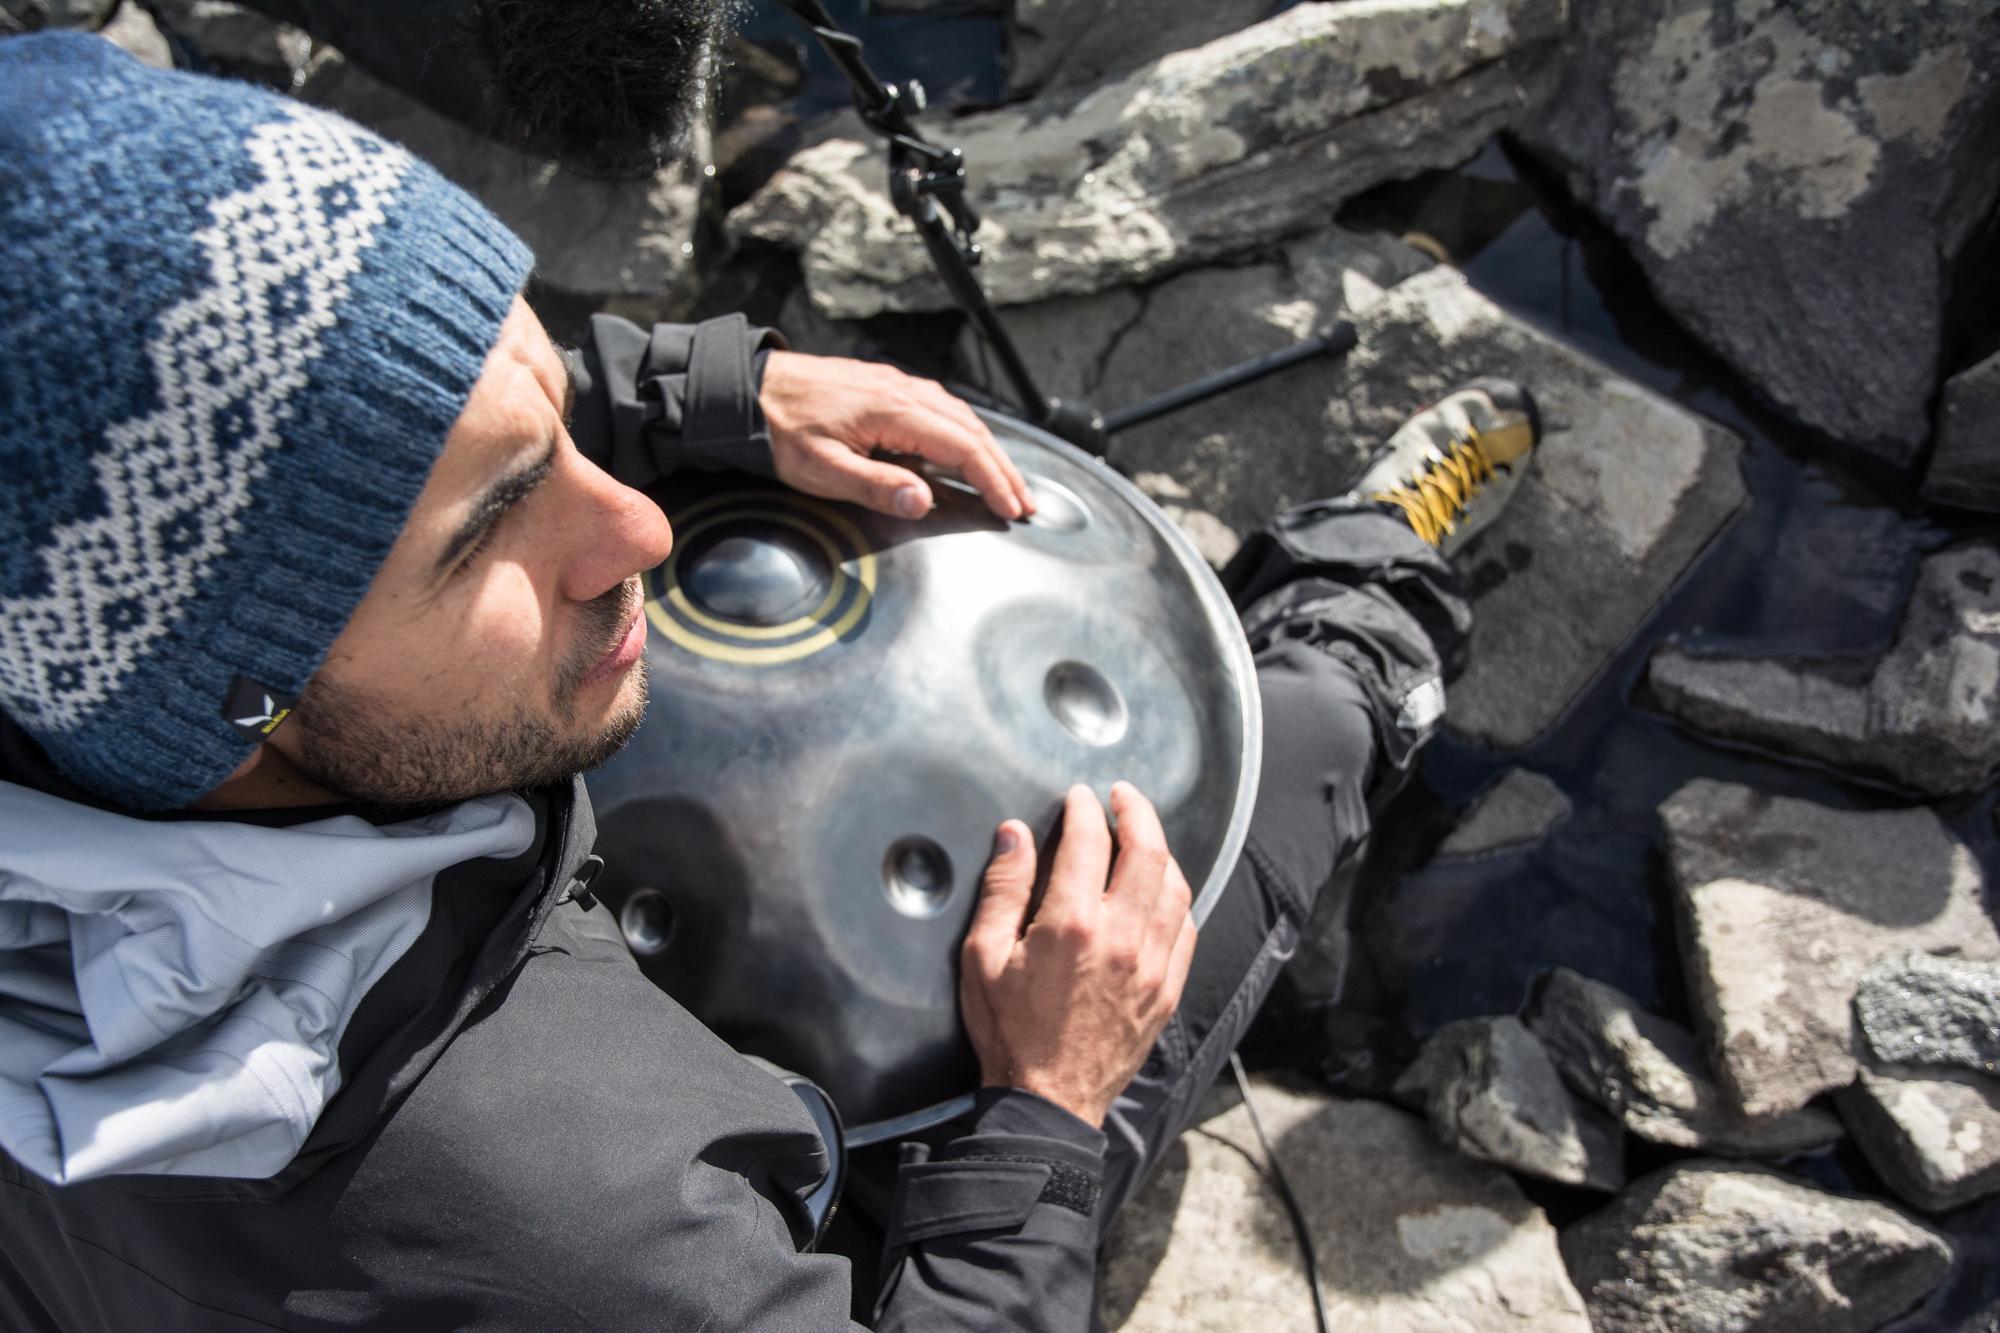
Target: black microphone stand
927,185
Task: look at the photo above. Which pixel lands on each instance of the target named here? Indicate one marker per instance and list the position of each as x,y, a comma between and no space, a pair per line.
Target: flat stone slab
1649,1073
1410,1238
1517,810
1491,1092
1077,43
1205,153
1741,1249
591,237
1933,1134
1626,490
1783,905
1925,715
1965,462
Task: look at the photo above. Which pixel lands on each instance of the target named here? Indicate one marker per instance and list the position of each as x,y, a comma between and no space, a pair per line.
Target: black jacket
528,1134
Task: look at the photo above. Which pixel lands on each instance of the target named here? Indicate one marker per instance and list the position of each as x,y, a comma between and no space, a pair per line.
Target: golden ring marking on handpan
678,633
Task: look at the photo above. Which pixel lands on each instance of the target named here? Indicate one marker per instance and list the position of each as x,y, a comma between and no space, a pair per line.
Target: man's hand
828,415
1069,1006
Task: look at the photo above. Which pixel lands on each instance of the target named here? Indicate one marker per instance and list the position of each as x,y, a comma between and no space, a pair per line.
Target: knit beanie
234,332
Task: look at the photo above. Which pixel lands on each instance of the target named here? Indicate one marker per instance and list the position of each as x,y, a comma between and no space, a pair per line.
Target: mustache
601,625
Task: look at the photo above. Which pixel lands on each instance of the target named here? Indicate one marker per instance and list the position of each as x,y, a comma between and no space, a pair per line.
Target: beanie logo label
256,709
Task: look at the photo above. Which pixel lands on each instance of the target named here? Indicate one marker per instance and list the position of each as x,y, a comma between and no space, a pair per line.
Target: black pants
1354,624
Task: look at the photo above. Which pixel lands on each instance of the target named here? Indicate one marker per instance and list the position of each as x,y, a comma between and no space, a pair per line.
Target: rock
1925,715
1201,154
132,30
1409,1237
592,237
1932,1134
1080,43
1648,1072
1783,905
1710,1246
1920,1009
1795,180
1518,809
1627,488
1965,464
35,15
1491,1092
240,41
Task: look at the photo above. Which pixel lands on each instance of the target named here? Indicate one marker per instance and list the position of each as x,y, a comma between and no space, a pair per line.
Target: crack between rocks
1103,366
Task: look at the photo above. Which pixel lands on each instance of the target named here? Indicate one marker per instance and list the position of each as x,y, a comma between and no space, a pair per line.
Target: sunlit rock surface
1795,180
1649,1073
1202,154
1410,1238
1626,490
1516,811
1925,715
1740,1249
1784,904
1932,1133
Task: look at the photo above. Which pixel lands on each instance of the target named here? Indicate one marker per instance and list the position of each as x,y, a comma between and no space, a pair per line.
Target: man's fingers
915,427
838,473
1082,859
1142,848
1006,889
961,411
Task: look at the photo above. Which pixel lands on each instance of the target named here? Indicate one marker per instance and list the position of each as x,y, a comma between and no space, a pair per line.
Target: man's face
502,643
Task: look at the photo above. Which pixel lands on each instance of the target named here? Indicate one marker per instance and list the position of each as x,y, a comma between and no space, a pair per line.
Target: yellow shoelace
1435,499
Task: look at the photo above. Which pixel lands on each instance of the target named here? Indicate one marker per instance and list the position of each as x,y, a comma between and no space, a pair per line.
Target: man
312,604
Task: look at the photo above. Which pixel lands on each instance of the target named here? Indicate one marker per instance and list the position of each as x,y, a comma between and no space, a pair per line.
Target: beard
609,87
364,748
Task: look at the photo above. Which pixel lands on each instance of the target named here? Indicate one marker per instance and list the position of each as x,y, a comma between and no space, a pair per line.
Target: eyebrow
495,500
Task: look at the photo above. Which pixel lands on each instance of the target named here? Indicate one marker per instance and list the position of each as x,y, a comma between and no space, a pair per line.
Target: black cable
1285,1193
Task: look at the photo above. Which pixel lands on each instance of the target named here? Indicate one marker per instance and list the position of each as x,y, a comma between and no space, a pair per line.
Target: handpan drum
844,708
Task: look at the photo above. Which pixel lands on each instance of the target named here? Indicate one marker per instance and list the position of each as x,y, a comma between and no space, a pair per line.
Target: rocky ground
1672,1001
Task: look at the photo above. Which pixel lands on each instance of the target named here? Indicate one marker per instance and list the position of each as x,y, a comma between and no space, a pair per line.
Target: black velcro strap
1069,1186
721,409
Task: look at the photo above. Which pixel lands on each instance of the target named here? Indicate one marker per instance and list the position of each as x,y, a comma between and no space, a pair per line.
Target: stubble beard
362,748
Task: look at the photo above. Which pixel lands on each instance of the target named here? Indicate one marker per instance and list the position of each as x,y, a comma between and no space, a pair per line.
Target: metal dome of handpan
844,708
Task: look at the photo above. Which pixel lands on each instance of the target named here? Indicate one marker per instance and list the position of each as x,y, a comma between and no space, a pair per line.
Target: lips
623,654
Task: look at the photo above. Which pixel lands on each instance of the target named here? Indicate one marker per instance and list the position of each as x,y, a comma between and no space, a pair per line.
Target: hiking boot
1451,467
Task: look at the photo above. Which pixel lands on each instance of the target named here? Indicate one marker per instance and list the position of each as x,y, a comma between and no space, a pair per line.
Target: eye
478,548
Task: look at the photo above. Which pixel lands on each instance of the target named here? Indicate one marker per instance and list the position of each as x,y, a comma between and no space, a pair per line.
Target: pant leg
1354,624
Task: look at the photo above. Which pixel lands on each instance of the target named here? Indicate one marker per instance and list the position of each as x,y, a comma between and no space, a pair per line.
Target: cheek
503,623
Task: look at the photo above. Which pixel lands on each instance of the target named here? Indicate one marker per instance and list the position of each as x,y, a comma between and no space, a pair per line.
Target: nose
619,532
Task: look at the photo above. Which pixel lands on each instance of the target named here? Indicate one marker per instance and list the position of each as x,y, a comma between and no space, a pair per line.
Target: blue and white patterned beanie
234,332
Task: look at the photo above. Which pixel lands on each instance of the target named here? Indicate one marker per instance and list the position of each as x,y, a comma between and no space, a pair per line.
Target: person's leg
1355,623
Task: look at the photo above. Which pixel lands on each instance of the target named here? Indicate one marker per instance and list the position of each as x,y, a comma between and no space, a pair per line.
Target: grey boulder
1075,43
1517,810
1648,1072
1932,1134
1490,1091
1783,905
1965,463
1925,715
1922,1009
1205,153
1741,1249
1795,180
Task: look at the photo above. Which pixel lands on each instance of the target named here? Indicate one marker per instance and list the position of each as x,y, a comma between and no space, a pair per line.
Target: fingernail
911,502
1009,839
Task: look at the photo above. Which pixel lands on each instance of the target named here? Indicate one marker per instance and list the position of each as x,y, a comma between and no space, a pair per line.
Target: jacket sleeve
650,402
998,1228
